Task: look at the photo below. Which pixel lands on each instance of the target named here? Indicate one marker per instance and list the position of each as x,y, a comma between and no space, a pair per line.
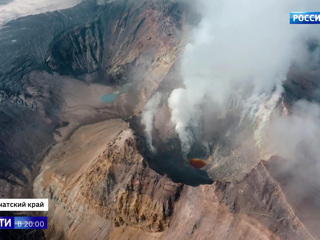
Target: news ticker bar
305,18
23,222
22,205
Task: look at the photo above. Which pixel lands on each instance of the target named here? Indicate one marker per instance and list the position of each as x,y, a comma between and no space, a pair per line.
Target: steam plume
241,49
148,114
288,134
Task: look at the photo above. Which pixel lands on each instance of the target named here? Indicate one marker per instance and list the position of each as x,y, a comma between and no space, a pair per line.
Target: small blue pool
109,97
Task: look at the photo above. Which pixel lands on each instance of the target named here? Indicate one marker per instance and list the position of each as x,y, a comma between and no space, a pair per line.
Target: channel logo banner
23,223
6,222
305,18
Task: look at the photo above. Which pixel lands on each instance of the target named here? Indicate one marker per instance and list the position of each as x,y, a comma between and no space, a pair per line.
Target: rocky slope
28,105
134,42
106,190
129,41
100,177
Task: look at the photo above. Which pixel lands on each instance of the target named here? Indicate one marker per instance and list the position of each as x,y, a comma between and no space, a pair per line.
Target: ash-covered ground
103,105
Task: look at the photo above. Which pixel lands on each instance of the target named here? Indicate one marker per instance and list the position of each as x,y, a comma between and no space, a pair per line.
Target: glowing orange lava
197,163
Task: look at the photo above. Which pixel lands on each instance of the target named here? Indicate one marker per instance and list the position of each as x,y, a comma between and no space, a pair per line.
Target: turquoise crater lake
111,97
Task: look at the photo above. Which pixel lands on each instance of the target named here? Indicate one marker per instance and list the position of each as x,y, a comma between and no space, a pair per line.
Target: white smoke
288,133
240,49
183,115
296,138
148,115
21,8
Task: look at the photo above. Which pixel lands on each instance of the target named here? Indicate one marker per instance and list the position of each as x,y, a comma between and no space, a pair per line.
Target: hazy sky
20,8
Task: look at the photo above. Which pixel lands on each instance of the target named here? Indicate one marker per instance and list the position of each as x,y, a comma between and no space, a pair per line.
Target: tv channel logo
6,222
305,18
